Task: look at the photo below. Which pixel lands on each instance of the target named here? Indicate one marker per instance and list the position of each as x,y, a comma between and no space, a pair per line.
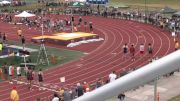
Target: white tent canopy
25,14
5,2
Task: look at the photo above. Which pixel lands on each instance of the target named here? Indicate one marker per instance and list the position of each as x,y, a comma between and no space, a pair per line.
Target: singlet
125,49
149,49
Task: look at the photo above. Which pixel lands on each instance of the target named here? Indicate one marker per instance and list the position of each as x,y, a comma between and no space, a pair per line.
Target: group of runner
8,72
11,72
131,50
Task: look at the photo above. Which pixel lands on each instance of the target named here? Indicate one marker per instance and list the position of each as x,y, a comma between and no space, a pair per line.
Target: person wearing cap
14,94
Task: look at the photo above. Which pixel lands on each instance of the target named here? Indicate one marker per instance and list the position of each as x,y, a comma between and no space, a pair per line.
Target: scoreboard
97,1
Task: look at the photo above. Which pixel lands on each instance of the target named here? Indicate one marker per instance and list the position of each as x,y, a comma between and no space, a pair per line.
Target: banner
97,1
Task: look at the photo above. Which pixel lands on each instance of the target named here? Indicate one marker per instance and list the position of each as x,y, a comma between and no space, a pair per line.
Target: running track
103,57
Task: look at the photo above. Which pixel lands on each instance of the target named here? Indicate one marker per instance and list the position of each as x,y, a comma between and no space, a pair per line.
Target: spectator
14,94
99,82
1,74
61,92
112,76
79,26
23,42
176,45
85,25
67,95
72,18
174,35
124,72
73,92
79,90
121,97
55,98
1,47
85,86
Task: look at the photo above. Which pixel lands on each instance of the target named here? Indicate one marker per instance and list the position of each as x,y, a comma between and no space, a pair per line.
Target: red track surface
103,57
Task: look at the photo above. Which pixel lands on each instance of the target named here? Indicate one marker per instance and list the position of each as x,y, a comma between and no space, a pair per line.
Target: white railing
135,79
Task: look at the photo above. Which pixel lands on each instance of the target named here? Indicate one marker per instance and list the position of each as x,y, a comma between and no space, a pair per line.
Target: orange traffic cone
158,97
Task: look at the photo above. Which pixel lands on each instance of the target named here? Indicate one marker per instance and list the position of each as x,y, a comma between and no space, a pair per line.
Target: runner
5,71
40,78
125,50
11,73
132,52
30,77
141,49
91,27
150,50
